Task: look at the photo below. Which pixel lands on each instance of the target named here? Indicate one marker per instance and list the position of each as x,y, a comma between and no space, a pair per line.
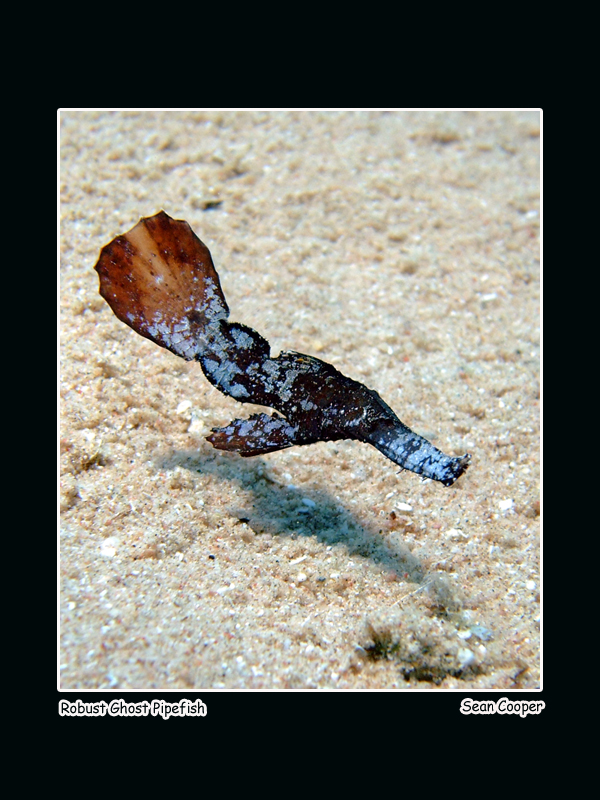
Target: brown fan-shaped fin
159,279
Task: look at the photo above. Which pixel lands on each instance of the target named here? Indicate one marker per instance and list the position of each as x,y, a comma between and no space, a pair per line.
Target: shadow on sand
267,506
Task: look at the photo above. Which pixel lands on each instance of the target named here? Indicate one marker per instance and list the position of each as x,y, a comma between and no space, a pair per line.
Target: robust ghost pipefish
159,279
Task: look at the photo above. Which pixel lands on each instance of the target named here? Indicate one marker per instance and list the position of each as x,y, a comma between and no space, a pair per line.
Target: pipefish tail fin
159,279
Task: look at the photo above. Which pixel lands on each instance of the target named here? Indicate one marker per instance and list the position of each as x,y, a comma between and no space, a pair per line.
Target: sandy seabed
403,248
